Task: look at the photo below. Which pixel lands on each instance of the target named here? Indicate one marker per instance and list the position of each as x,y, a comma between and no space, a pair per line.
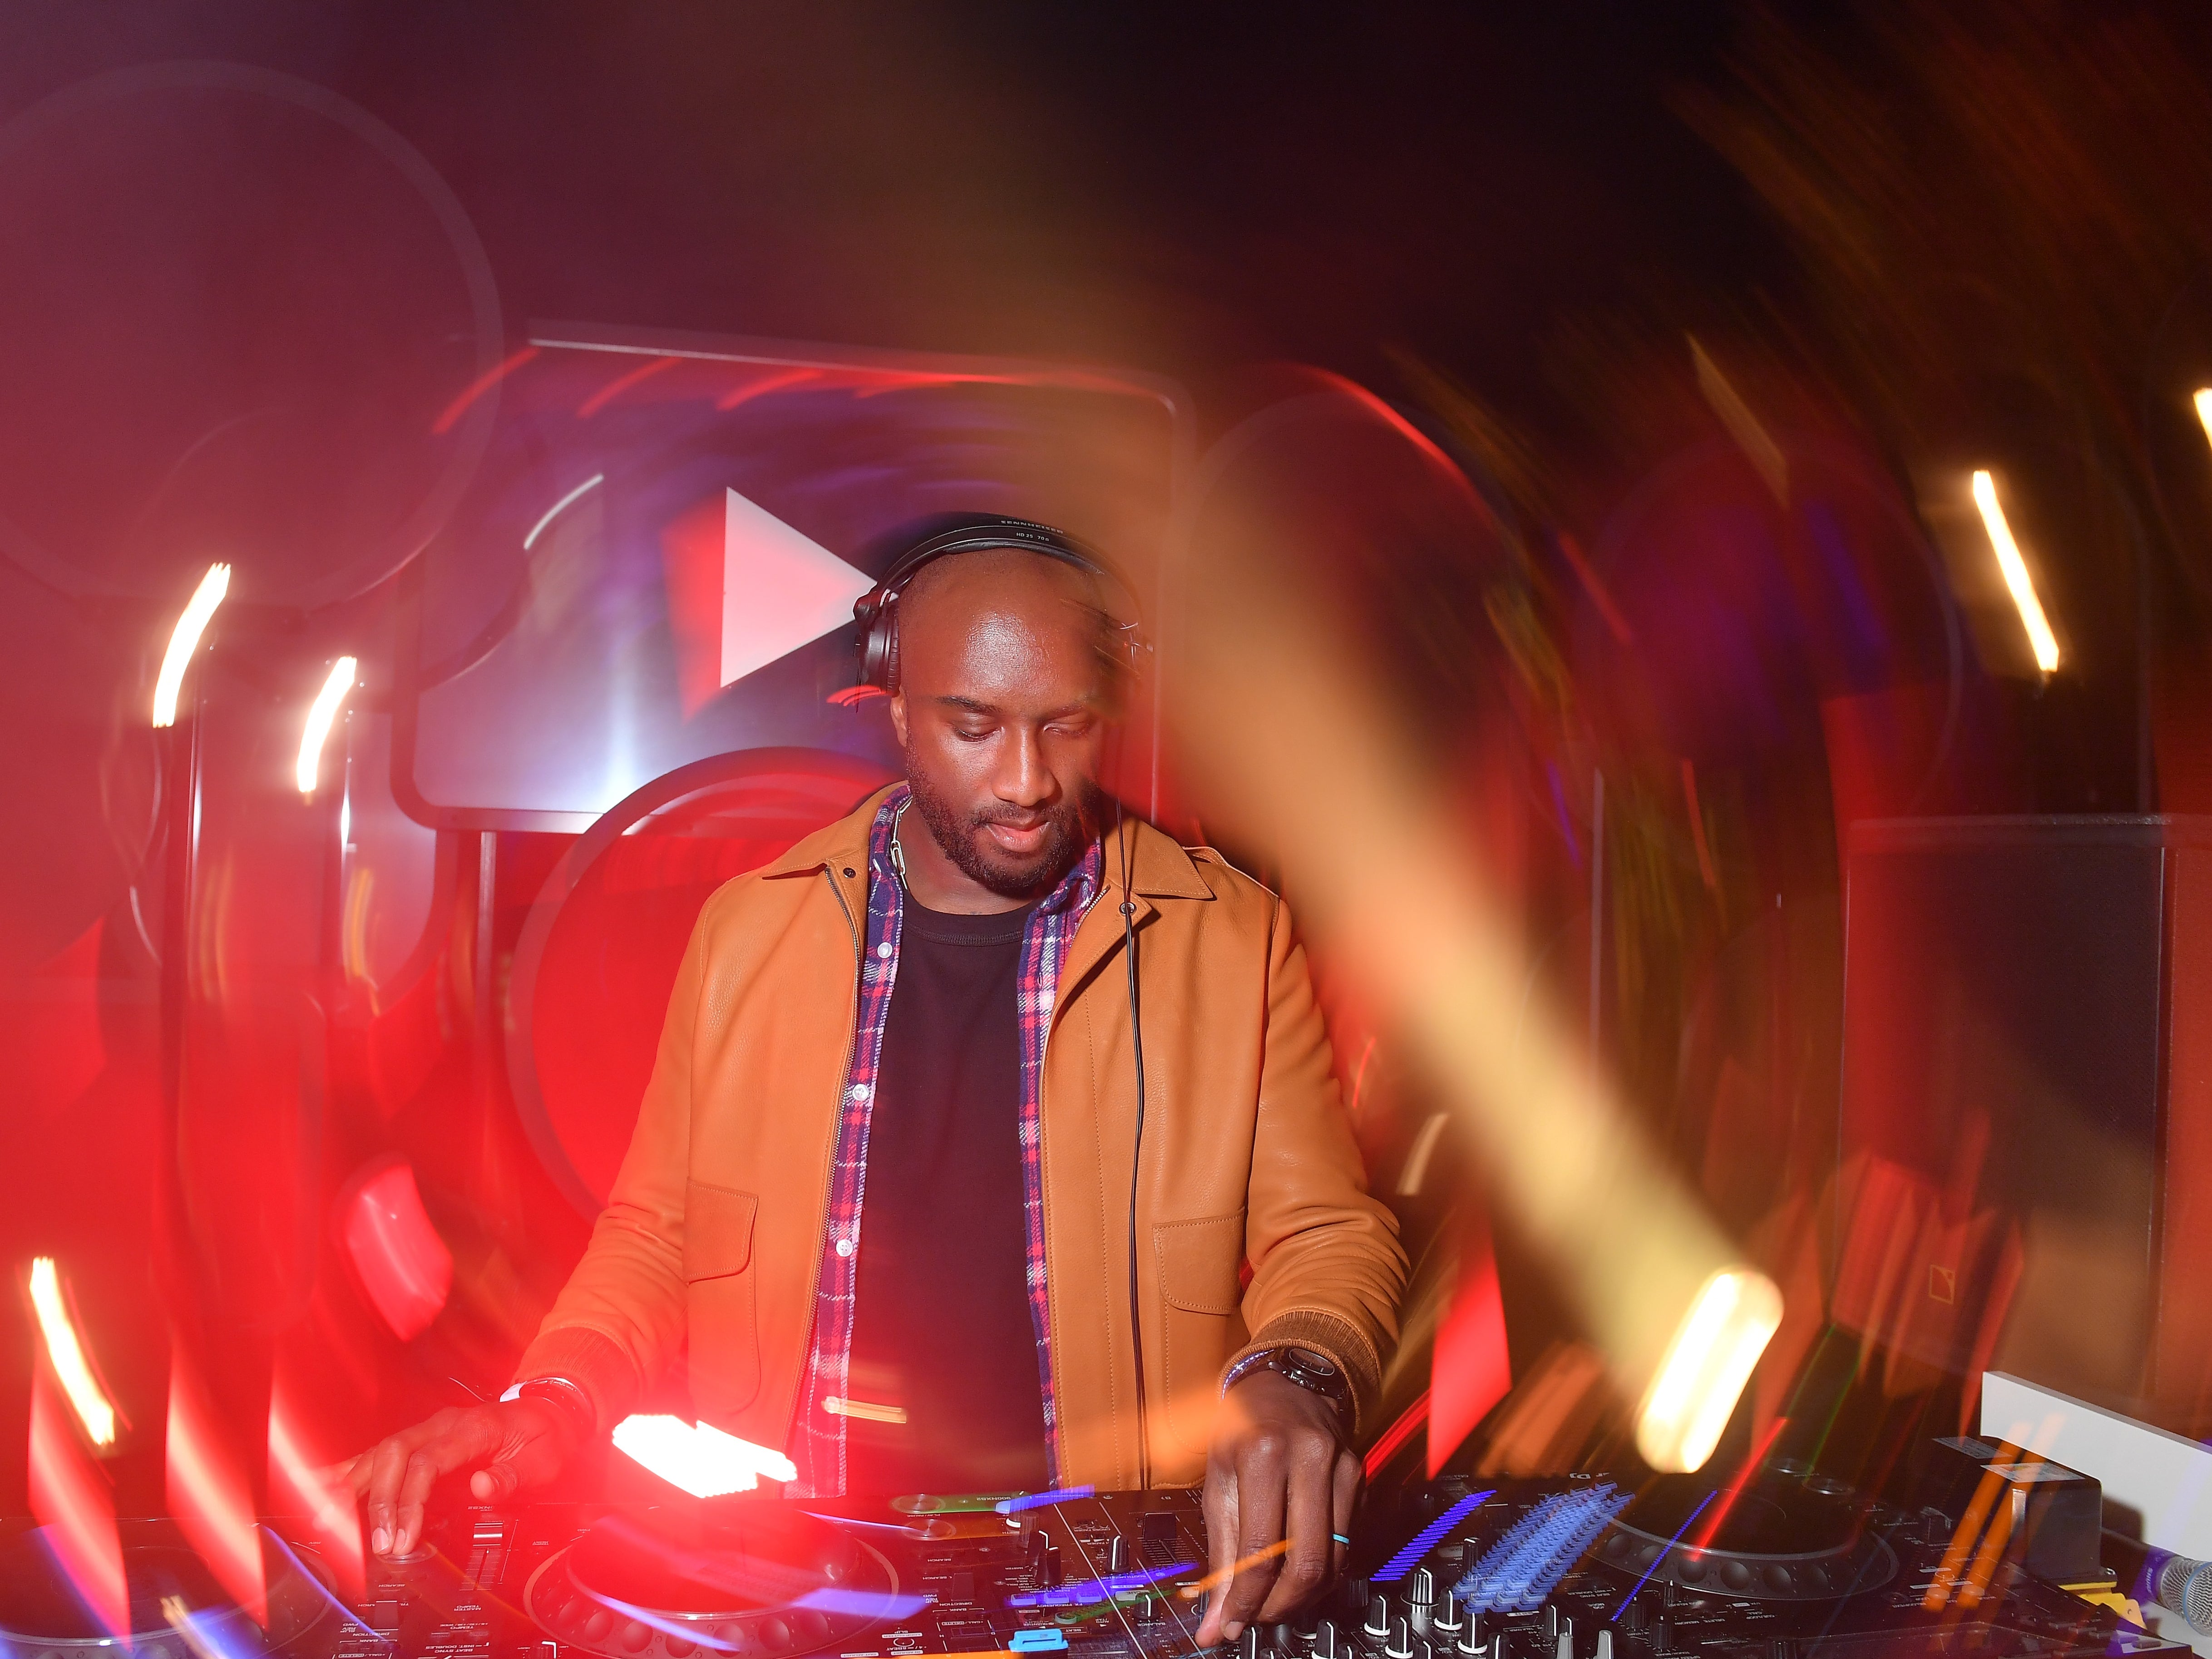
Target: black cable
1137,1153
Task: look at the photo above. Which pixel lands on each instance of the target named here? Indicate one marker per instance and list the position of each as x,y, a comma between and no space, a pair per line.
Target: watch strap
1283,1362
570,1397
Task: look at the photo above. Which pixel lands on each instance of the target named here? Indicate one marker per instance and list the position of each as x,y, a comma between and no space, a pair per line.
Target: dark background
1174,188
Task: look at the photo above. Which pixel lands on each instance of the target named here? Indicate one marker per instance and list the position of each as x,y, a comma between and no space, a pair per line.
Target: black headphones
876,610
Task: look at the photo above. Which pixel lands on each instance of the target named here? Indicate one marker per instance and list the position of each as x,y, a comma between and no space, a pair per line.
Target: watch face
1317,1363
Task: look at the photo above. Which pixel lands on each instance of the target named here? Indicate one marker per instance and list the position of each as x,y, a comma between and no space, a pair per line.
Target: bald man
886,1186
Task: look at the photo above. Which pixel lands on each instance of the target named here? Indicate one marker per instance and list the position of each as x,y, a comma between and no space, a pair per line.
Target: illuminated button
845,1247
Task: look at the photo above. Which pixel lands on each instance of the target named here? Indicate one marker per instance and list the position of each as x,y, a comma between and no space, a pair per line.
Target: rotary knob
1377,1623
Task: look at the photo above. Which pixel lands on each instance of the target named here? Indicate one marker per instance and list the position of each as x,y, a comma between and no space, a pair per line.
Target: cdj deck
1773,1567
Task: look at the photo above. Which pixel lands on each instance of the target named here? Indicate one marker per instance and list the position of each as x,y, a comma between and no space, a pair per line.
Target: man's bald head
1004,694
1013,583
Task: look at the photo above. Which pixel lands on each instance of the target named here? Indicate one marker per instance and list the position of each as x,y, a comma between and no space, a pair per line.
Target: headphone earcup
879,640
875,667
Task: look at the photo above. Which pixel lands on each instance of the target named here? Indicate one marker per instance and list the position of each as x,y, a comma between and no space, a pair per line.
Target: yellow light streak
863,1408
320,717
1706,1366
185,640
2203,401
1332,785
67,1353
2041,638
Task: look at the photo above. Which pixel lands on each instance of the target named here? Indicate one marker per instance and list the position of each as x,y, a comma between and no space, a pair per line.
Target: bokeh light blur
1678,539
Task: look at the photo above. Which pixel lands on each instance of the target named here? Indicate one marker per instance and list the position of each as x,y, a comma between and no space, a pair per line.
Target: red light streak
744,394
298,1482
1712,1528
476,388
208,1496
403,1267
1470,1370
71,1500
1572,552
1698,826
622,383
1397,1435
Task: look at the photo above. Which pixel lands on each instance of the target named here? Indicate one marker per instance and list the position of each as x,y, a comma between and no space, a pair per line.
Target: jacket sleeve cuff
1338,1340
594,1363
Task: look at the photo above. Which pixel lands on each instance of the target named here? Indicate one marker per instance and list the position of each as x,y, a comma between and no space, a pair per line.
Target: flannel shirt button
884,949
845,1247
859,1091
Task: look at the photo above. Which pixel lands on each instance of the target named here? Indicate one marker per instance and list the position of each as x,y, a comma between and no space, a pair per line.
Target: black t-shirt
941,1325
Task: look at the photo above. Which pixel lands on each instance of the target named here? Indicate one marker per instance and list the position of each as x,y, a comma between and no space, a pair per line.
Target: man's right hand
511,1445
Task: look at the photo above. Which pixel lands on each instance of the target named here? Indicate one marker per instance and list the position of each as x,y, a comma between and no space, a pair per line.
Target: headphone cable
1137,1153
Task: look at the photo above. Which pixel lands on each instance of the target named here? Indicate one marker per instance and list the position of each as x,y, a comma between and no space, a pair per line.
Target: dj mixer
1775,1566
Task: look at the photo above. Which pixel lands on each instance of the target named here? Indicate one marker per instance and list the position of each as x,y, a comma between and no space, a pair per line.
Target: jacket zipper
830,1167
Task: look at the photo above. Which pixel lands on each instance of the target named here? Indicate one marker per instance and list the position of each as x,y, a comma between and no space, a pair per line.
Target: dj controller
1775,1565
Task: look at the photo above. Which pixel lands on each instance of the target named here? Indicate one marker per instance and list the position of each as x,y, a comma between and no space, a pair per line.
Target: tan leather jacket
714,1229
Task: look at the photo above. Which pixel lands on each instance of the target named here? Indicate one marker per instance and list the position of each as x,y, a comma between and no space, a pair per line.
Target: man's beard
1068,832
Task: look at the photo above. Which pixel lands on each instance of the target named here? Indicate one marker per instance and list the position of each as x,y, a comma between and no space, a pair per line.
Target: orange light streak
1946,1576
1197,1588
2041,638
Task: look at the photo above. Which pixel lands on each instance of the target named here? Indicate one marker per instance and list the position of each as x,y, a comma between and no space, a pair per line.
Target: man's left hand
1278,1467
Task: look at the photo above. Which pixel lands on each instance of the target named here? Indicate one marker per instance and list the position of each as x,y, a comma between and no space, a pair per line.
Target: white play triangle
779,589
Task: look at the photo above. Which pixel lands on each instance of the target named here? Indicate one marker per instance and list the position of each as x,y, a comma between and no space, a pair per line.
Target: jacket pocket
720,1289
1201,1317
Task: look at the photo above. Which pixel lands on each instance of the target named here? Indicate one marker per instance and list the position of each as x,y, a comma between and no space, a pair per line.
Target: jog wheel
1770,1539
773,1583
172,1604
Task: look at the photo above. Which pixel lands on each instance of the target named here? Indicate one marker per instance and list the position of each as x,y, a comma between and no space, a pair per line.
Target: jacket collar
1159,867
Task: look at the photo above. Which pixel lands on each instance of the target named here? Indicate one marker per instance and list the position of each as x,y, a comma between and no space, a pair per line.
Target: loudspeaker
2025,1149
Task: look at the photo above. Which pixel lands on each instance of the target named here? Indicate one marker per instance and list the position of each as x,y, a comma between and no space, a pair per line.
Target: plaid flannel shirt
818,1443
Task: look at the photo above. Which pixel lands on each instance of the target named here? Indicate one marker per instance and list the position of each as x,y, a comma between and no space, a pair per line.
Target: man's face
1002,711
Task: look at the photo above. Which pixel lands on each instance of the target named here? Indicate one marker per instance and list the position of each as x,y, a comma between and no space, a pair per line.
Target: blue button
1037,1641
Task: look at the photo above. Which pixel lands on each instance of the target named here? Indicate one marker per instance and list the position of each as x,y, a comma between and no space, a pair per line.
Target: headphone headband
876,610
